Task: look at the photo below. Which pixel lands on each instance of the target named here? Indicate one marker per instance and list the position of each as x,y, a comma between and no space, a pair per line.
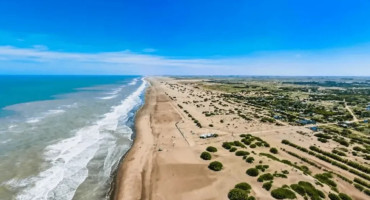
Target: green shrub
246,142
299,189
265,177
367,192
252,146
211,149
283,193
205,156
252,172
243,186
311,190
233,149
239,144
251,198
333,196
249,160
359,187
344,196
262,167
273,150
326,179
215,166
226,145
241,153
280,175
323,140
267,185
238,194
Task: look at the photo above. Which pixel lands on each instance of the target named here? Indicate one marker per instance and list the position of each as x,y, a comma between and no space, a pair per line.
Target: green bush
311,190
215,166
283,193
262,167
252,146
326,179
367,192
273,150
238,194
298,189
233,149
239,144
241,153
251,198
267,185
359,187
205,156
249,160
344,196
211,149
243,186
226,145
265,177
323,140
333,196
280,175
252,172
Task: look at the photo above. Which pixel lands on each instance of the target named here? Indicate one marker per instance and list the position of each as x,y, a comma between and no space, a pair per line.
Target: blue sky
185,37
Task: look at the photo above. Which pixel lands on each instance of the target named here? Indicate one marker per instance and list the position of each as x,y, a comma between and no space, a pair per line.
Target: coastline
113,185
118,188
163,162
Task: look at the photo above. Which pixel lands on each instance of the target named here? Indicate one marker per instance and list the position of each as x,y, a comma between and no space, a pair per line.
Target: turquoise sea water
20,89
61,137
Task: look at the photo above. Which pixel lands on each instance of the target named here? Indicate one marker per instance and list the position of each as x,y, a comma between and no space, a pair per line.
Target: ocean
62,137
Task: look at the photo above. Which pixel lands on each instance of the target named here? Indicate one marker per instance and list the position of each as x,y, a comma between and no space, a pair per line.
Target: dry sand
164,162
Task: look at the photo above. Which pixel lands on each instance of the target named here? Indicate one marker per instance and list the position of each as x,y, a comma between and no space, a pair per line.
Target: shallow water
67,145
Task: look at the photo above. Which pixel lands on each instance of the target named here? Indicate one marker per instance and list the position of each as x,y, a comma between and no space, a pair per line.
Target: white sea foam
133,82
11,126
69,157
44,115
33,120
108,97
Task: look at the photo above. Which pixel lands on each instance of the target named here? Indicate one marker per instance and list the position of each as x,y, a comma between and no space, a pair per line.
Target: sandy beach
164,162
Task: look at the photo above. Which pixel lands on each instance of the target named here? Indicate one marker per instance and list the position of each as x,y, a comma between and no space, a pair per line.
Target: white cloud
336,62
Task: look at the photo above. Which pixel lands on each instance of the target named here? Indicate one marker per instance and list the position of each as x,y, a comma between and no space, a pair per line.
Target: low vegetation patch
273,150
249,160
298,189
211,149
267,186
238,194
265,177
326,179
215,166
344,196
206,156
241,153
283,193
333,196
252,172
243,186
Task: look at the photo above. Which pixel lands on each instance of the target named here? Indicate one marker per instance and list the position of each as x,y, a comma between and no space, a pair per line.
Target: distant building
306,121
208,135
314,128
